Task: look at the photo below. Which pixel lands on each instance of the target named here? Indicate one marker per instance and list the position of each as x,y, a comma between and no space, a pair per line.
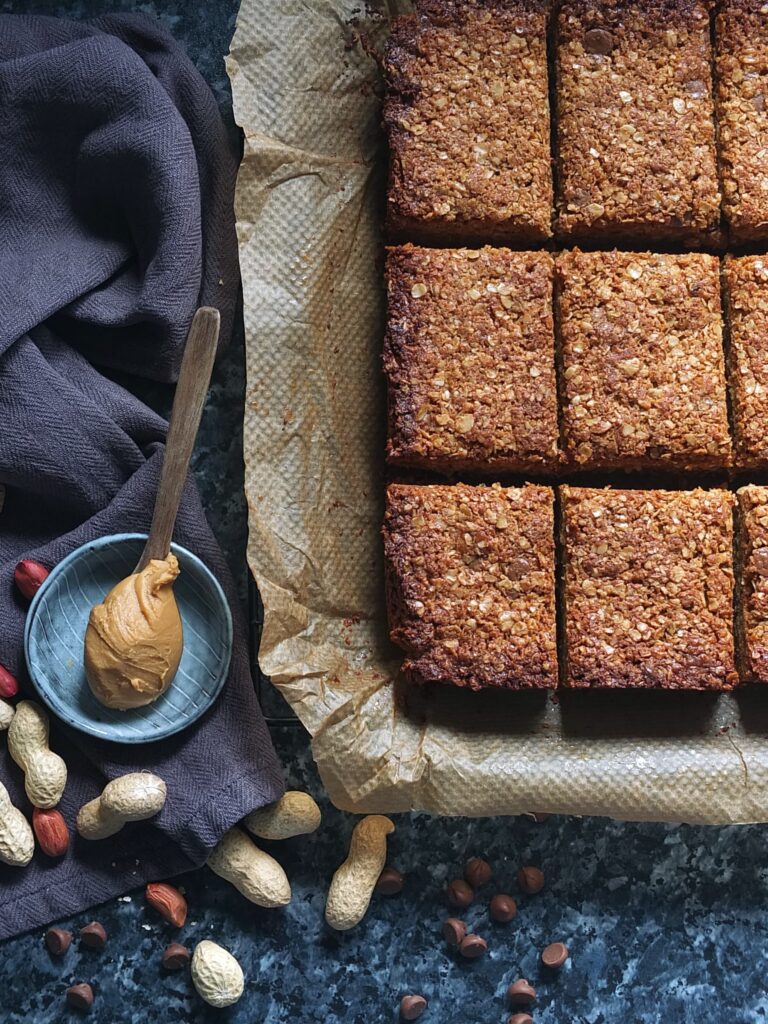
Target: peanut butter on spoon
134,640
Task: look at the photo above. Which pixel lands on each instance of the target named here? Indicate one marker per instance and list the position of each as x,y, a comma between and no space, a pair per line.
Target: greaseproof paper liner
309,202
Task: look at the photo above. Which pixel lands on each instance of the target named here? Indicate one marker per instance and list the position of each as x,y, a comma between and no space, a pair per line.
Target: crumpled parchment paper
309,202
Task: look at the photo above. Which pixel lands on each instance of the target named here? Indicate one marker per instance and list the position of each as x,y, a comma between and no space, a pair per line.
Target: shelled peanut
29,576
168,901
51,832
9,684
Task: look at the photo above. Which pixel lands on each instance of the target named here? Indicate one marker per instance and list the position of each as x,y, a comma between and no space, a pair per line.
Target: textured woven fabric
115,223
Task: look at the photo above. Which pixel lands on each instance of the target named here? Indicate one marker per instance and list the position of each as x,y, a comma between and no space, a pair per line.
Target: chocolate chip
696,88
520,1018
521,993
597,40
454,931
530,879
80,997
472,947
758,102
176,956
554,955
390,882
459,893
94,935
518,566
58,941
760,560
538,816
477,872
412,1007
503,908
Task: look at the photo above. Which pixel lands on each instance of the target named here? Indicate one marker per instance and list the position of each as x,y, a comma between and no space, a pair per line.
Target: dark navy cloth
116,222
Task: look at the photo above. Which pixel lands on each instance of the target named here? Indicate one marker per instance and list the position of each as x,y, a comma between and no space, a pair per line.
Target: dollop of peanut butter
134,639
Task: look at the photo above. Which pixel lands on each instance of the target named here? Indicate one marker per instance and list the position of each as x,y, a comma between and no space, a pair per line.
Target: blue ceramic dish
55,631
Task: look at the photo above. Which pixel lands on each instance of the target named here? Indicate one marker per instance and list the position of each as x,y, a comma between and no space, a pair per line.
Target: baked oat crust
471,584
636,138
467,115
643,374
752,606
469,357
648,588
742,113
746,294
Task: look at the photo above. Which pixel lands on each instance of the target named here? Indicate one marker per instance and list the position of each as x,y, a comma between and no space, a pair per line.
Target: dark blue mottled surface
665,924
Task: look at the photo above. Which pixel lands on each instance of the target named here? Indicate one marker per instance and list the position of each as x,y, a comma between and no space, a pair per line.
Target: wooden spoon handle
191,389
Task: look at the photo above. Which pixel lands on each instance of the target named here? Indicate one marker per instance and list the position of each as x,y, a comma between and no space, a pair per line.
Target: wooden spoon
191,389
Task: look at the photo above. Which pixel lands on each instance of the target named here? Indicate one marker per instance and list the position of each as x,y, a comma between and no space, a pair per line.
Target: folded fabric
115,224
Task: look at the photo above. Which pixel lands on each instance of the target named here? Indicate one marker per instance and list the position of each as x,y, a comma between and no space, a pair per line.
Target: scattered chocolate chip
412,1007
518,566
477,872
454,931
696,88
176,956
538,816
472,947
760,560
758,102
503,908
390,882
520,1018
58,941
530,879
80,997
521,993
459,893
94,935
597,40
554,955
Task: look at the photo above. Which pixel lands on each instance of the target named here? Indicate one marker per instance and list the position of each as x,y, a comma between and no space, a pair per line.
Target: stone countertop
664,923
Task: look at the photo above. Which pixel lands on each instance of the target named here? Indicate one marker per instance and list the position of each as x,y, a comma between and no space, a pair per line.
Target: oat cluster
752,609
648,588
642,361
469,356
746,286
636,135
467,113
527,364
742,114
471,583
